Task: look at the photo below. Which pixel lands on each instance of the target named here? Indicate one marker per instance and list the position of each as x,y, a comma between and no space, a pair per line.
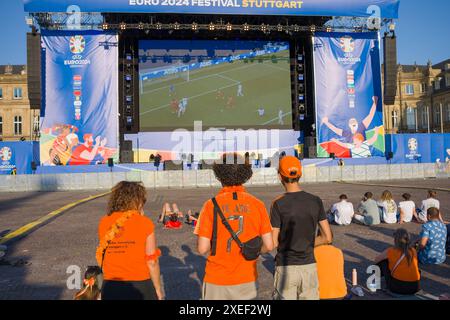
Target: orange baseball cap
290,167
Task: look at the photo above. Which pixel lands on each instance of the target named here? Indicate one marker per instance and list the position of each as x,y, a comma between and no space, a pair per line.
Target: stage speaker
312,152
389,155
310,142
171,166
127,145
33,166
110,162
390,69
333,156
126,156
34,69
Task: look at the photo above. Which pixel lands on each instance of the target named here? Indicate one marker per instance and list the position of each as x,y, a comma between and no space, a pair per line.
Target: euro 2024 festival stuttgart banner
348,95
80,107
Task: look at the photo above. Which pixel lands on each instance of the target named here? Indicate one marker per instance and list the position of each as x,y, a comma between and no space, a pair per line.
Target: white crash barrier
206,179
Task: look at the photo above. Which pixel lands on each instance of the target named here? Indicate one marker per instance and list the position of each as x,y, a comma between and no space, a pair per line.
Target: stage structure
127,79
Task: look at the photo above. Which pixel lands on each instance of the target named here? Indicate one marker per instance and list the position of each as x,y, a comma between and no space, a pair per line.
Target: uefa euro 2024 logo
77,44
5,154
347,44
413,146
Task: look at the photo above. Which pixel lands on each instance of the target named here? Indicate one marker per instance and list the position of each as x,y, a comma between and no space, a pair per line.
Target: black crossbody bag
251,249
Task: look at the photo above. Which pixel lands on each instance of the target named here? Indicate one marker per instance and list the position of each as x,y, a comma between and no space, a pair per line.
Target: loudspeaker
126,156
34,69
33,166
127,145
170,165
389,155
110,162
310,142
333,156
312,152
390,69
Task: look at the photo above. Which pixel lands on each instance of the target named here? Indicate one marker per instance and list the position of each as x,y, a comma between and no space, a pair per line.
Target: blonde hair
387,196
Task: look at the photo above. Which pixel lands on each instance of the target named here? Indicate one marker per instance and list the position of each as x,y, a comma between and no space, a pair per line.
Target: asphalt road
36,265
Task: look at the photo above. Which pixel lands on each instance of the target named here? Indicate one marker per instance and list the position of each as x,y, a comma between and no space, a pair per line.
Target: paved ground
43,256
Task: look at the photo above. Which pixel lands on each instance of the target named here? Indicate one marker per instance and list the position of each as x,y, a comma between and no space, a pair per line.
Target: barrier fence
206,179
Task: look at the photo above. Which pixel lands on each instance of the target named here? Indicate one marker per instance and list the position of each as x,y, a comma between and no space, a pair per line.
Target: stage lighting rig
229,27
313,28
176,26
194,26
279,28
123,26
141,26
158,26
246,27
212,27
105,26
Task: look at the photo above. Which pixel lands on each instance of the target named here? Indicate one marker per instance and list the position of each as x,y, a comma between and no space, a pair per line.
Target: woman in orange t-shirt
399,265
127,252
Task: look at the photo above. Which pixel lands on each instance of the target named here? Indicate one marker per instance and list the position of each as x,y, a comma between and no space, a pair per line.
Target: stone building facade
17,120
422,103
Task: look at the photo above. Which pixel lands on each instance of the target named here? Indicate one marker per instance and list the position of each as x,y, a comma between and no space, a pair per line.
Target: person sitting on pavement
330,271
433,238
171,217
367,212
192,218
430,202
399,265
388,208
407,210
342,212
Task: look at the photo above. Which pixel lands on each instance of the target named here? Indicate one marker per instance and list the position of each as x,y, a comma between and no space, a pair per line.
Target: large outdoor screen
224,84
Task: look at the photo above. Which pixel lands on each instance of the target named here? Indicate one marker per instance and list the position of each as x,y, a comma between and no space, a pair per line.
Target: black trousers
395,285
128,290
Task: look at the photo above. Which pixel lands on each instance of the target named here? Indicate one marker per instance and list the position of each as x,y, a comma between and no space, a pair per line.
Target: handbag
251,249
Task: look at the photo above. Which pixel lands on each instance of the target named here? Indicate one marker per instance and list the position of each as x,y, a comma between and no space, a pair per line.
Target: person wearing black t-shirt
295,217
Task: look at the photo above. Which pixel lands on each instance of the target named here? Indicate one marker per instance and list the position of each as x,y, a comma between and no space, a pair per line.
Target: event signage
80,109
358,8
349,113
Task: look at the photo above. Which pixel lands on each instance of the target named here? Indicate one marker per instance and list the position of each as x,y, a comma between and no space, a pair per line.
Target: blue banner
358,8
80,109
414,148
349,112
16,157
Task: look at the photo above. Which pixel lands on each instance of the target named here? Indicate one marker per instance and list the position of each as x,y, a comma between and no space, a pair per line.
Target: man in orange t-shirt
228,276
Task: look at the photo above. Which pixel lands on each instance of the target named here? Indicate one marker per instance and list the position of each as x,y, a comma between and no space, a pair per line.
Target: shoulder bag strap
398,263
226,224
214,234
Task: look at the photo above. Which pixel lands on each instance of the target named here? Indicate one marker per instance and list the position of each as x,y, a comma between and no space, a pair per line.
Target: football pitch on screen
212,96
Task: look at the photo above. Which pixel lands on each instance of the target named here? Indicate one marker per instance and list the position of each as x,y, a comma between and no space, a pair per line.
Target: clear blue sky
423,31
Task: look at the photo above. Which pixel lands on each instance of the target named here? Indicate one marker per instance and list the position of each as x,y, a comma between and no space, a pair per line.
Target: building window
423,88
394,119
411,118
18,94
437,84
425,117
447,80
437,115
18,125
409,89
36,124
1,126
447,112
1,93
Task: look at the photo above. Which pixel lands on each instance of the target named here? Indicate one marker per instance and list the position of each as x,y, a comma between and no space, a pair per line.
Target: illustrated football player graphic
354,127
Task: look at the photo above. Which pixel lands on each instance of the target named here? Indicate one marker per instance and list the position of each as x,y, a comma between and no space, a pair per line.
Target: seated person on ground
171,219
399,265
192,218
407,209
430,202
330,271
388,208
368,213
433,238
342,212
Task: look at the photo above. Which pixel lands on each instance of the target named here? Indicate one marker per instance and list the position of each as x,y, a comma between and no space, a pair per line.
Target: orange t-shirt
330,270
404,272
249,218
125,258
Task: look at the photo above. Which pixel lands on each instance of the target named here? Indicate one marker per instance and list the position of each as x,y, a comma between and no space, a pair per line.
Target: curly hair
232,170
127,196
